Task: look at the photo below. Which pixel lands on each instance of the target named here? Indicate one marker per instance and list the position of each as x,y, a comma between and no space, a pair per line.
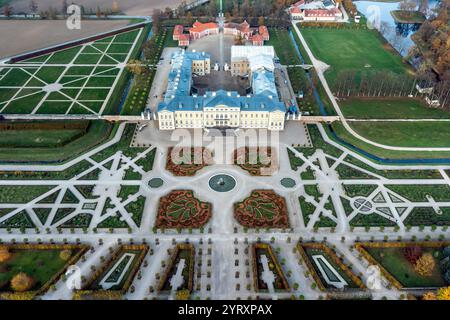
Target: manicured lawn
405,134
21,194
98,132
384,153
282,43
37,138
41,265
418,193
350,49
390,109
393,260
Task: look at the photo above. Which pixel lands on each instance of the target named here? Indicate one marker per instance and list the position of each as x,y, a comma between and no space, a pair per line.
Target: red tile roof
200,27
295,10
318,13
257,38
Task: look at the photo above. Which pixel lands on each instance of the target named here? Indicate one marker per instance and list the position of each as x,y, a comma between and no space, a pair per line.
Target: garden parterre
78,80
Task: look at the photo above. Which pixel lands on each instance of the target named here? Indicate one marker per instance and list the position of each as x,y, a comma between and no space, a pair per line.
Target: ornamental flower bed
262,209
307,249
93,291
180,209
41,265
280,283
185,162
397,264
256,161
184,251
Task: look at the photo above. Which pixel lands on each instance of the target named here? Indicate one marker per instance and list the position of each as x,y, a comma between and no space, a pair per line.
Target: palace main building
222,109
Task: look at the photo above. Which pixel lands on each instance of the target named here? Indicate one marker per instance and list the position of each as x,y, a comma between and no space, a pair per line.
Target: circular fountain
222,183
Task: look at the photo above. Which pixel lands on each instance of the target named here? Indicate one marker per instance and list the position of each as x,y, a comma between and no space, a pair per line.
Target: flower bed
280,283
180,209
256,161
93,290
395,267
43,265
262,209
307,249
186,163
182,251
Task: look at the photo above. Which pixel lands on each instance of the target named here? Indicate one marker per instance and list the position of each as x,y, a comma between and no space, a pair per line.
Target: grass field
78,80
393,260
406,134
395,108
98,132
352,49
390,130
41,265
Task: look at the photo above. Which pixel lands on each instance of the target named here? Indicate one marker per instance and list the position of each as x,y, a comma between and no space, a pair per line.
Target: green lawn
405,134
384,153
22,194
358,50
98,133
38,138
393,260
390,109
41,265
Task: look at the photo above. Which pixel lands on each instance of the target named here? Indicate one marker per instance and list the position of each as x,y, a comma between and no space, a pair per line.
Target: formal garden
115,276
262,209
328,270
410,264
257,161
27,270
180,209
182,253
187,161
265,263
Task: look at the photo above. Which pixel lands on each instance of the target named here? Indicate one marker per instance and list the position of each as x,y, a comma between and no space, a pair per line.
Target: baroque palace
223,109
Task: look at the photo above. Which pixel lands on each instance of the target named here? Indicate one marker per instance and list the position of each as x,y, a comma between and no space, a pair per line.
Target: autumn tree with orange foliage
21,282
425,265
5,255
429,296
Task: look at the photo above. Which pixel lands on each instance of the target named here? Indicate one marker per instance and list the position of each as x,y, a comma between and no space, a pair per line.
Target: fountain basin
222,183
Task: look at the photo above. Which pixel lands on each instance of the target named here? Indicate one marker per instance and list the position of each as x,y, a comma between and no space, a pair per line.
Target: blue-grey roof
178,93
263,82
180,80
257,102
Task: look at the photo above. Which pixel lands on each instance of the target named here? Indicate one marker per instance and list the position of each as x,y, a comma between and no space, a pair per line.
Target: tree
21,282
115,7
412,254
65,254
135,67
98,12
5,255
64,7
189,18
425,265
7,10
33,7
212,9
429,296
443,293
182,295
261,21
